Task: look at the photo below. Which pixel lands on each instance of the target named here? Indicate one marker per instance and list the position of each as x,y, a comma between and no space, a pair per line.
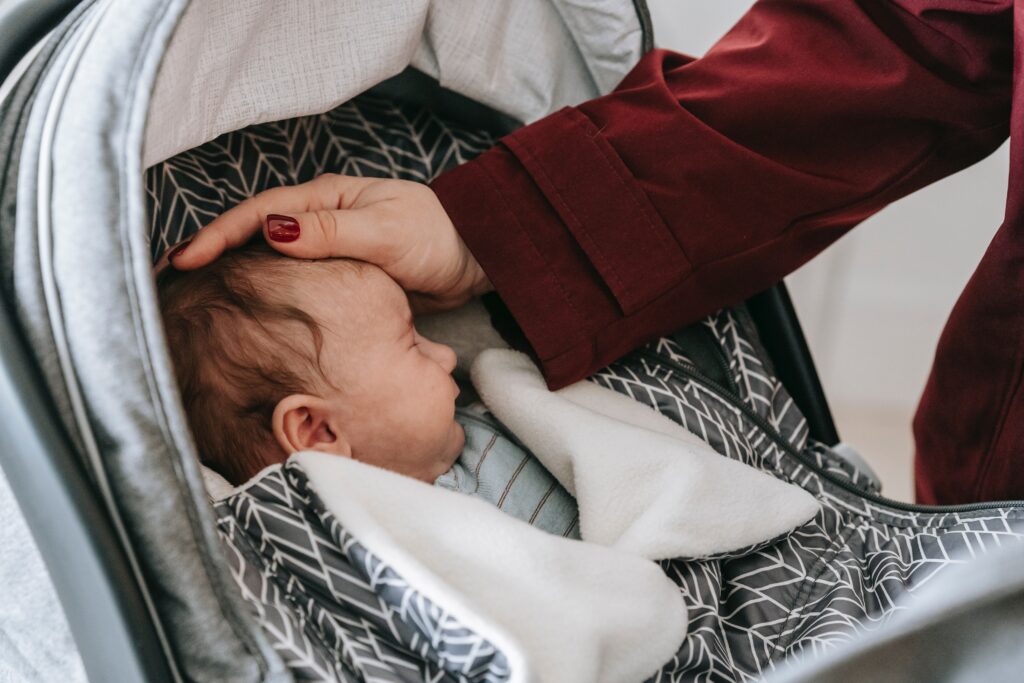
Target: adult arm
699,183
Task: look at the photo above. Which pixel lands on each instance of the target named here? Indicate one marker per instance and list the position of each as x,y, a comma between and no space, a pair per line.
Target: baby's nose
442,354
448,358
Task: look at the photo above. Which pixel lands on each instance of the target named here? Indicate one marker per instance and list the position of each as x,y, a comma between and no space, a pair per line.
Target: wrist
481,284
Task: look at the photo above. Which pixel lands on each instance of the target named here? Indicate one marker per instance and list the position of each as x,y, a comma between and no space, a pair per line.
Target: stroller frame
104,598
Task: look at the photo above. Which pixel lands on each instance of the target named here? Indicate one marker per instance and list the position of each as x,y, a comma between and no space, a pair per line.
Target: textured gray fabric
830,582
967,626
84,293
607,37
326,612
85,296
835,580
75,291
853,457
838,579
524,58
367,136
22,276
333,608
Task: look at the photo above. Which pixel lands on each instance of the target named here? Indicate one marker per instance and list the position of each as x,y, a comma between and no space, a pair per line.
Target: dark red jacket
699,183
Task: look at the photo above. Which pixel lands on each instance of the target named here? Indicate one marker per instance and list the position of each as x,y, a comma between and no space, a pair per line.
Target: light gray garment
500,53
495,467
35,642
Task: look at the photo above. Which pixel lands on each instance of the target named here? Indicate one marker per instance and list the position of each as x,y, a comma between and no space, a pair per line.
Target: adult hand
397,225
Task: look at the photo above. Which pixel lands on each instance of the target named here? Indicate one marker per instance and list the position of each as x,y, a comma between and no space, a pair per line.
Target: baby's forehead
355,286
356,275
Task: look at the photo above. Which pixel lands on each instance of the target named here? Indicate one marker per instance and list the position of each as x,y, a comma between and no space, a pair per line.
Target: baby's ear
306,423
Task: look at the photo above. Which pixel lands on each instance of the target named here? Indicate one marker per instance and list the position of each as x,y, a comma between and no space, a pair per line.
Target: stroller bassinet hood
232,64
127,83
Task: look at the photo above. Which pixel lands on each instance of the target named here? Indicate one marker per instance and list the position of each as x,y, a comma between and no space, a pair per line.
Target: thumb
329,233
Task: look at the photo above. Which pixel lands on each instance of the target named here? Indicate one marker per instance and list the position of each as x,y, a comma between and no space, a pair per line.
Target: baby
275,355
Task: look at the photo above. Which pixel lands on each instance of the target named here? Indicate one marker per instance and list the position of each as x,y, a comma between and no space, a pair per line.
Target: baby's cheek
393,426
460,436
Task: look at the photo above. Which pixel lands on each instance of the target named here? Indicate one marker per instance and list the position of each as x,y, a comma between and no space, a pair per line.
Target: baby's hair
239,344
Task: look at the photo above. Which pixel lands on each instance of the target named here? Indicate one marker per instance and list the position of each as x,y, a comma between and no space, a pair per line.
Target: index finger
237,225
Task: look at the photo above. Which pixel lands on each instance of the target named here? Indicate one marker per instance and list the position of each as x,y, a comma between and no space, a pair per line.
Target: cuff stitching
533,246
594,250
583,122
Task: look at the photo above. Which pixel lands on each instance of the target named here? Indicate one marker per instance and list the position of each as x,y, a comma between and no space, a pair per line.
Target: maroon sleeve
698,183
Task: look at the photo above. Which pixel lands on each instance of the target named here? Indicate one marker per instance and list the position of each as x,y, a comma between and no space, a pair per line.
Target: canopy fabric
232,64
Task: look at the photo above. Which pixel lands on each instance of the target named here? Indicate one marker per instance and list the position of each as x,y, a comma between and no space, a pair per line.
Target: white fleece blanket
567,611
643,483
562,611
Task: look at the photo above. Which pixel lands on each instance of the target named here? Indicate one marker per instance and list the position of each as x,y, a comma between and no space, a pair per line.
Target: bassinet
92,439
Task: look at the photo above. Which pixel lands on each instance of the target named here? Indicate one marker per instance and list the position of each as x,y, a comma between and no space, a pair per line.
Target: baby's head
276,355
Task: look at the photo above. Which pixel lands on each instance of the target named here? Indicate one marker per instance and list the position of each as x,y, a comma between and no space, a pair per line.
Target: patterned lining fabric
368,136
332,608
843,573
336,612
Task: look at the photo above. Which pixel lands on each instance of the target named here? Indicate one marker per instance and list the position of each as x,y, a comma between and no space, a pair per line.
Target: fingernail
177,250
282,228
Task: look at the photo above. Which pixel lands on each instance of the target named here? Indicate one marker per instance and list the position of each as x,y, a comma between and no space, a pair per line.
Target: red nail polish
282,228
177,250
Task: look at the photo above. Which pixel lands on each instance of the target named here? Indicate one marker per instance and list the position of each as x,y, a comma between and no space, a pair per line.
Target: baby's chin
458,440
455,443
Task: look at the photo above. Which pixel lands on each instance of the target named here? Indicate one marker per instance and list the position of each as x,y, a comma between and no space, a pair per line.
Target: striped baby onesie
494,466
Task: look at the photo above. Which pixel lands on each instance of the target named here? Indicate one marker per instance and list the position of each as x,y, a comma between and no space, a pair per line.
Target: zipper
721,359
686,371
703,350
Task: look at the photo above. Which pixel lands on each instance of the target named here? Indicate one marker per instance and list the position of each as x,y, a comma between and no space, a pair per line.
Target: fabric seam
529,240
603,263
212,572
296,479
804,594
784,466
273,567
630,184
785,234
997,434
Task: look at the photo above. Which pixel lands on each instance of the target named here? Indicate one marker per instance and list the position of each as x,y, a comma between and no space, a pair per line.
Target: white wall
873,305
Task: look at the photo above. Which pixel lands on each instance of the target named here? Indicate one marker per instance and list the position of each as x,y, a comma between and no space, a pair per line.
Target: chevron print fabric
842,574
335,611
368,136
343,609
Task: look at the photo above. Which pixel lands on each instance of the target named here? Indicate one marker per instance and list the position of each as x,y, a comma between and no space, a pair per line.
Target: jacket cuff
562,246
540,273
597,199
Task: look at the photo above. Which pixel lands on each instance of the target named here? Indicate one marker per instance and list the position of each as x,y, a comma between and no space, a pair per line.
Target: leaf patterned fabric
336,612
368,136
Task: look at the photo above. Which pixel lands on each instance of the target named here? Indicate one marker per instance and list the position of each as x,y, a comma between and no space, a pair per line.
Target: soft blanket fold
561,611
564,610
643,483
